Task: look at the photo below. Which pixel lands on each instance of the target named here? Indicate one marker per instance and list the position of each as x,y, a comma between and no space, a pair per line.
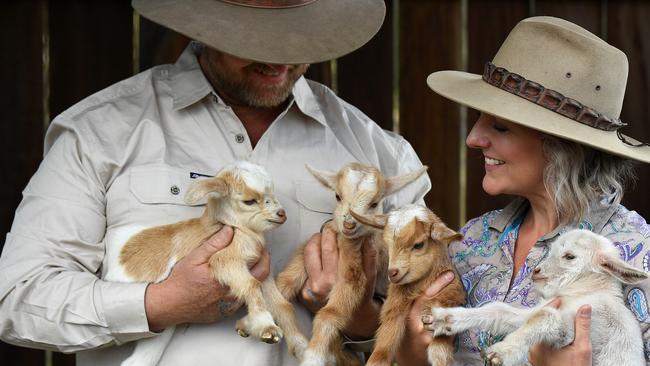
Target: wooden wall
57,52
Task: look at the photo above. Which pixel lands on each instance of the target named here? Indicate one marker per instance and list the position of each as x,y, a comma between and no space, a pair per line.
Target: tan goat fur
241,196
416,241
361,188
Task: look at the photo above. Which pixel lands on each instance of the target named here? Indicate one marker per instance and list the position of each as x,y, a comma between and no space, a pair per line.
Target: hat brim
470,90
320,31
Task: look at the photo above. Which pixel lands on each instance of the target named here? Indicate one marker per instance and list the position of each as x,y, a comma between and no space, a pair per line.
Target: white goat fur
581,268
360,188
417,242
241,196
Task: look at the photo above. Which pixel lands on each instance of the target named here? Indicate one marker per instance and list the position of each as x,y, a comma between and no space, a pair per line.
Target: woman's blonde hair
576,176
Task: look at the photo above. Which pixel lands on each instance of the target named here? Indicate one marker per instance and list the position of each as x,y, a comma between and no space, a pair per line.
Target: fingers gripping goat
417,242
360,188
581,268
241,196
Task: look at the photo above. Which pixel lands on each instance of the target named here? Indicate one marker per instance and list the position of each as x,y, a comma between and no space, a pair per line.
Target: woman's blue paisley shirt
484,260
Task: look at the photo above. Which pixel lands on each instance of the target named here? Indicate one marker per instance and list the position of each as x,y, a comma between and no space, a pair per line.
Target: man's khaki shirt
124,157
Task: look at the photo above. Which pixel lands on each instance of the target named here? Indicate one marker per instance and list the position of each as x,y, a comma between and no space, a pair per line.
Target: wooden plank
21,133
489,23
91,48
365,77
429,41
585,13
628,29
159,45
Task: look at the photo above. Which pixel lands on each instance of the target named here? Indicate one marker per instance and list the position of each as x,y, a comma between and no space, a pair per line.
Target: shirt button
239,138
175,190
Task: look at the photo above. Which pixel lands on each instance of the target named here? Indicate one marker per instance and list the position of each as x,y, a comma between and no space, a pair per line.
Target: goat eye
373,205
569,256
338,198
250,202
418,246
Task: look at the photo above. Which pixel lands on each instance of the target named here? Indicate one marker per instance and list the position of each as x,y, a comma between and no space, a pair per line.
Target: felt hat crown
271,31
553,76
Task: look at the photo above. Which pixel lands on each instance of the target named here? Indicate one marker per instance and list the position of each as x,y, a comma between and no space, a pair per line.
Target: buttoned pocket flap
315,197
160,184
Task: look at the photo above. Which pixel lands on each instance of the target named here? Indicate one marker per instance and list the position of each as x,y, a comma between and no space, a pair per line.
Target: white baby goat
361,188
241,196
417,242
581,268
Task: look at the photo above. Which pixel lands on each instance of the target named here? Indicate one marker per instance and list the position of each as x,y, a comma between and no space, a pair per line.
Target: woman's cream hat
272,31
555,77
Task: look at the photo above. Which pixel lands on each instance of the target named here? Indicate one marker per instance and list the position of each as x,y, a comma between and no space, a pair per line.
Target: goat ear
216,187
376,221
328,179
394,184
618,268
441,232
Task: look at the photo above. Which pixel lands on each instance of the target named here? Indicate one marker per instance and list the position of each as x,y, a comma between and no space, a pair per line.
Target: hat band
269,4
548,98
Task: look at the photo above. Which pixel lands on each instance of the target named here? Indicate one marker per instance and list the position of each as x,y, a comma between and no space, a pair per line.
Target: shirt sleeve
631,236
50,294
407,162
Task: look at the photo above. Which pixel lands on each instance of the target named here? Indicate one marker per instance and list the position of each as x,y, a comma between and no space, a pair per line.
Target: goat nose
393,272
349,225
281,213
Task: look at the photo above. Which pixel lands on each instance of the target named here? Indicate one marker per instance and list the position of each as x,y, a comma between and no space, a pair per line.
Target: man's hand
412,351
577,353
191,294
321,262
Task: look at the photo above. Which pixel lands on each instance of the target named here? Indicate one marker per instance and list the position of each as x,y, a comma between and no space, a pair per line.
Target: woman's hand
577,353
412,351
191,294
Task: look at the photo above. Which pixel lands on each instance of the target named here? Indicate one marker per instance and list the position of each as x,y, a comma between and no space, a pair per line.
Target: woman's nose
476,138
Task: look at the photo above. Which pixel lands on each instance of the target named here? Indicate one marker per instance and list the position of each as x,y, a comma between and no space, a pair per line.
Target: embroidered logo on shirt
194,175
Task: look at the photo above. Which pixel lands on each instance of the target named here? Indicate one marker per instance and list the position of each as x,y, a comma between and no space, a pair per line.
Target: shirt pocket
316,204
158,192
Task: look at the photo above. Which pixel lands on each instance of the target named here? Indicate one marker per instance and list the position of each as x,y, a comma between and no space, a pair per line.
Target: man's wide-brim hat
553,76
271,31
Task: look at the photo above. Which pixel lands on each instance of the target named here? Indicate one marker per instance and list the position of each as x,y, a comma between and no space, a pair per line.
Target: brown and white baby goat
417,242
241,196
581,268
360,188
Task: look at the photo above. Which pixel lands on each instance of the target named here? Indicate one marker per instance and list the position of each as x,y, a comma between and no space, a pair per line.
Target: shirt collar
597,217
189,85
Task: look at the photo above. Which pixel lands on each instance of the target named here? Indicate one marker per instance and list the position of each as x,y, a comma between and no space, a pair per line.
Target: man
124,157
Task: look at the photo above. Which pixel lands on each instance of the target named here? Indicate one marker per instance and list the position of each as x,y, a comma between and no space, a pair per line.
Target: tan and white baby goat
360,188
241,196
581,268
417,242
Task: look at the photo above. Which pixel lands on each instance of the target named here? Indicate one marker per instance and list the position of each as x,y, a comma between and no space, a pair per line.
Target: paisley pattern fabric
485,259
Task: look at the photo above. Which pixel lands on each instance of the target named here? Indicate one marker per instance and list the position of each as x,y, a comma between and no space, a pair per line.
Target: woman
564,161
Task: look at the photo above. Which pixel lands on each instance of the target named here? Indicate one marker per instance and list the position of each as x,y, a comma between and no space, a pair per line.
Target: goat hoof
493,359
270,338
242,333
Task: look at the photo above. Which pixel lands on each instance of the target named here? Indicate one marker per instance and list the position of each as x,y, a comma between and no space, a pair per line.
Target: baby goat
360,188
581,268
417,242
241,196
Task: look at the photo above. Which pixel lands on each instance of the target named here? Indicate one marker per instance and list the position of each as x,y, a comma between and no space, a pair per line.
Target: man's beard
247,92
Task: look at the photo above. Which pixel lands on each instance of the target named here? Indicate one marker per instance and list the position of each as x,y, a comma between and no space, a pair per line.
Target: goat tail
440,351
148,351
